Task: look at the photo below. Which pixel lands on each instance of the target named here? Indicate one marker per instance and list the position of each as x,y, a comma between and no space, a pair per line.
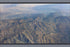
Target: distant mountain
52,8
42,9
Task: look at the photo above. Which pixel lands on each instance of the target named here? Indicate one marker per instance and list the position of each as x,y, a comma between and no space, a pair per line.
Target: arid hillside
53,28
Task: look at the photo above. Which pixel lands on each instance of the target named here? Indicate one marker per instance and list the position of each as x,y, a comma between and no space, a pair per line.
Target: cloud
11,8
29,5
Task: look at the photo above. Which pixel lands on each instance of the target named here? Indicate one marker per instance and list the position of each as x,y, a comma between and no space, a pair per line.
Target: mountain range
40,24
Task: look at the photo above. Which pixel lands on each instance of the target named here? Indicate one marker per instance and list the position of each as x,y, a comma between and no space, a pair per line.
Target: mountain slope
36,30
